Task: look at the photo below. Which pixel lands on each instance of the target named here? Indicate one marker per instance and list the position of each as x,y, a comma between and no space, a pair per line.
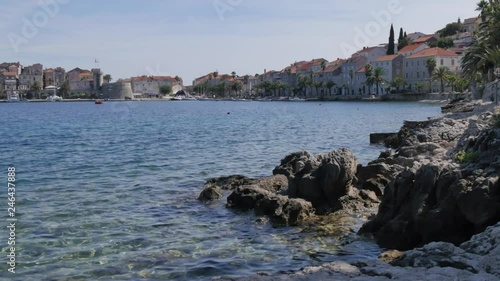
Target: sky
191,38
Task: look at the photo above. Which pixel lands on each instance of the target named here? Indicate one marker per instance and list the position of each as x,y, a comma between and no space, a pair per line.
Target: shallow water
108,192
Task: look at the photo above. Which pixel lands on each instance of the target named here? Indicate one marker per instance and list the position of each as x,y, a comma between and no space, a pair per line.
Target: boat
13,97
296,99
98,101
176,98
54,98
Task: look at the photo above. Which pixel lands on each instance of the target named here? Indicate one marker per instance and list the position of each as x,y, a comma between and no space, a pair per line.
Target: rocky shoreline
437,188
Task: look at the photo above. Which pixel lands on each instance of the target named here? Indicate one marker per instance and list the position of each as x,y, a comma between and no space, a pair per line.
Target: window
418,63
406,64
418,74
442,61
412,63
452,62
406,75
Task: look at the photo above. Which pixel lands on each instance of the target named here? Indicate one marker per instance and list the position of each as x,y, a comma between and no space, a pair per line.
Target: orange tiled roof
433,52
424,38
9,74
386,58
411,47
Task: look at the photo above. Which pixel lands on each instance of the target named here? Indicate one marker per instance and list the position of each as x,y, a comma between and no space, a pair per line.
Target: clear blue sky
190,38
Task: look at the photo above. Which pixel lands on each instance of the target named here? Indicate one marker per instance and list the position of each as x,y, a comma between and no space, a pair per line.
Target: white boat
54,98
296,99
13,97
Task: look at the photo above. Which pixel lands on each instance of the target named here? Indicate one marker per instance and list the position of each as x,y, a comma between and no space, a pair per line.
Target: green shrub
496,121
467,156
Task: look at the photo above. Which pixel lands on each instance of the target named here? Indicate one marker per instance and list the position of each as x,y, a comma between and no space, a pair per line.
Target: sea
109,192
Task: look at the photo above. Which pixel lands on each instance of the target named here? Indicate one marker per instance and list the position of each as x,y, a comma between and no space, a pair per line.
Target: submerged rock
477,259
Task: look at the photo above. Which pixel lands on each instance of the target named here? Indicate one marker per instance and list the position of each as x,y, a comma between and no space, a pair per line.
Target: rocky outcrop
477,259
322,180
440,196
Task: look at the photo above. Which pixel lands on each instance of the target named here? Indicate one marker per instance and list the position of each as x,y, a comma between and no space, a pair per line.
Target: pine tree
400,39
390,47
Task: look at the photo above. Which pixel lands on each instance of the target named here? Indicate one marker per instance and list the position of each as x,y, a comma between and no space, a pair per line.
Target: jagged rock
324,179
213,189
281,209
292,163
246,197
210,193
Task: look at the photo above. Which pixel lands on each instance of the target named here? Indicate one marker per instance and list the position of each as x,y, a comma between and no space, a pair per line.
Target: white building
415,66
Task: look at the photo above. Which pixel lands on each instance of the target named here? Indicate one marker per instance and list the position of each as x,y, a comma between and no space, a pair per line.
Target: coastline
422,147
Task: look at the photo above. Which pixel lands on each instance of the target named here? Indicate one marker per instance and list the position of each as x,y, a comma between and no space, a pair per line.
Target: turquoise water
108,192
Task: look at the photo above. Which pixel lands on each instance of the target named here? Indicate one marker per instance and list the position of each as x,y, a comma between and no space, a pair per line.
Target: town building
30,75
415,66
471,24
392,66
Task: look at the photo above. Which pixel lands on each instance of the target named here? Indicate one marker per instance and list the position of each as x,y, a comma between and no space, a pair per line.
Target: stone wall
118,90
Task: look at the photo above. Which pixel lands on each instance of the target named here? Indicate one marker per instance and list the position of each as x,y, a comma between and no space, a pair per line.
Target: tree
452,78
486,38
398,82
215,74
351,75
390,47
444,43
64,89
165,90
233,74
430,64
377,77
442,73
237,87
317,86
400,39
36,87
460,84
107,78
323,65
420,86
450,29
329,85
368,75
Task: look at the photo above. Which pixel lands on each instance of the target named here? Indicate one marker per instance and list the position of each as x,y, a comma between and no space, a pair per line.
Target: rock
380,138
245,197
213,189
210,193
323,180
282,210
292,163
477,259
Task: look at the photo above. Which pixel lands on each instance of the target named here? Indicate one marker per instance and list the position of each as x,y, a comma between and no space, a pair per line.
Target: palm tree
430,63
441,74
420,86
329,85
351,75
397,83
460,84
318,85
368,74
452,78
107,78
377,77
36,87
323,65
65,88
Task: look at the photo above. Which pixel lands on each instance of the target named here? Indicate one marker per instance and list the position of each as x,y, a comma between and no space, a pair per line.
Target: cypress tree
390,47
400,39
